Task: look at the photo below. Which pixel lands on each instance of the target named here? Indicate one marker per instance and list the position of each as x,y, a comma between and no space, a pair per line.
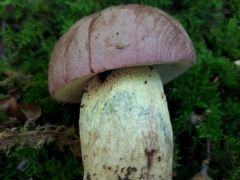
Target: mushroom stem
125,128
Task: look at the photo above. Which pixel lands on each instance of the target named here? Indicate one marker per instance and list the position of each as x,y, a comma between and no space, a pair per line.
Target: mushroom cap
117,37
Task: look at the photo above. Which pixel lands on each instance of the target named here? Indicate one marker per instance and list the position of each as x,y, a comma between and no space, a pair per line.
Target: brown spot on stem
149,153
122,169
88,176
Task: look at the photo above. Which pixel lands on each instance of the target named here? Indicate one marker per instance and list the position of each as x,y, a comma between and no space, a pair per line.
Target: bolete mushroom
114,63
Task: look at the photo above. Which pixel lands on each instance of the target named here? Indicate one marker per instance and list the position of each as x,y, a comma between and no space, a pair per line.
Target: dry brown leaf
31,111
26,114
9,105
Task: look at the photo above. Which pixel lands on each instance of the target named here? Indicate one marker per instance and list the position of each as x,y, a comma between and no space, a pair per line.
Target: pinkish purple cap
121,36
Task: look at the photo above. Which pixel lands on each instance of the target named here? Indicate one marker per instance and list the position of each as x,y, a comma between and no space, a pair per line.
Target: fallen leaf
9,105
31,111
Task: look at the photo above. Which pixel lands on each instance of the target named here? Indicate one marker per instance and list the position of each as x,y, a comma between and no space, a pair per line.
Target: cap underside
72,91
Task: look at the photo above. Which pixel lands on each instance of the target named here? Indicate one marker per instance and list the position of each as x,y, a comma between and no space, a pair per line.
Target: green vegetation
204,103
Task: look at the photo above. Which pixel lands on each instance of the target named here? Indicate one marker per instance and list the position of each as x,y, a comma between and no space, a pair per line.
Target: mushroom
114,63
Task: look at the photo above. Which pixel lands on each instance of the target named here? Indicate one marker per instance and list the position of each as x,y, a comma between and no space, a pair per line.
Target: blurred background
39,136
